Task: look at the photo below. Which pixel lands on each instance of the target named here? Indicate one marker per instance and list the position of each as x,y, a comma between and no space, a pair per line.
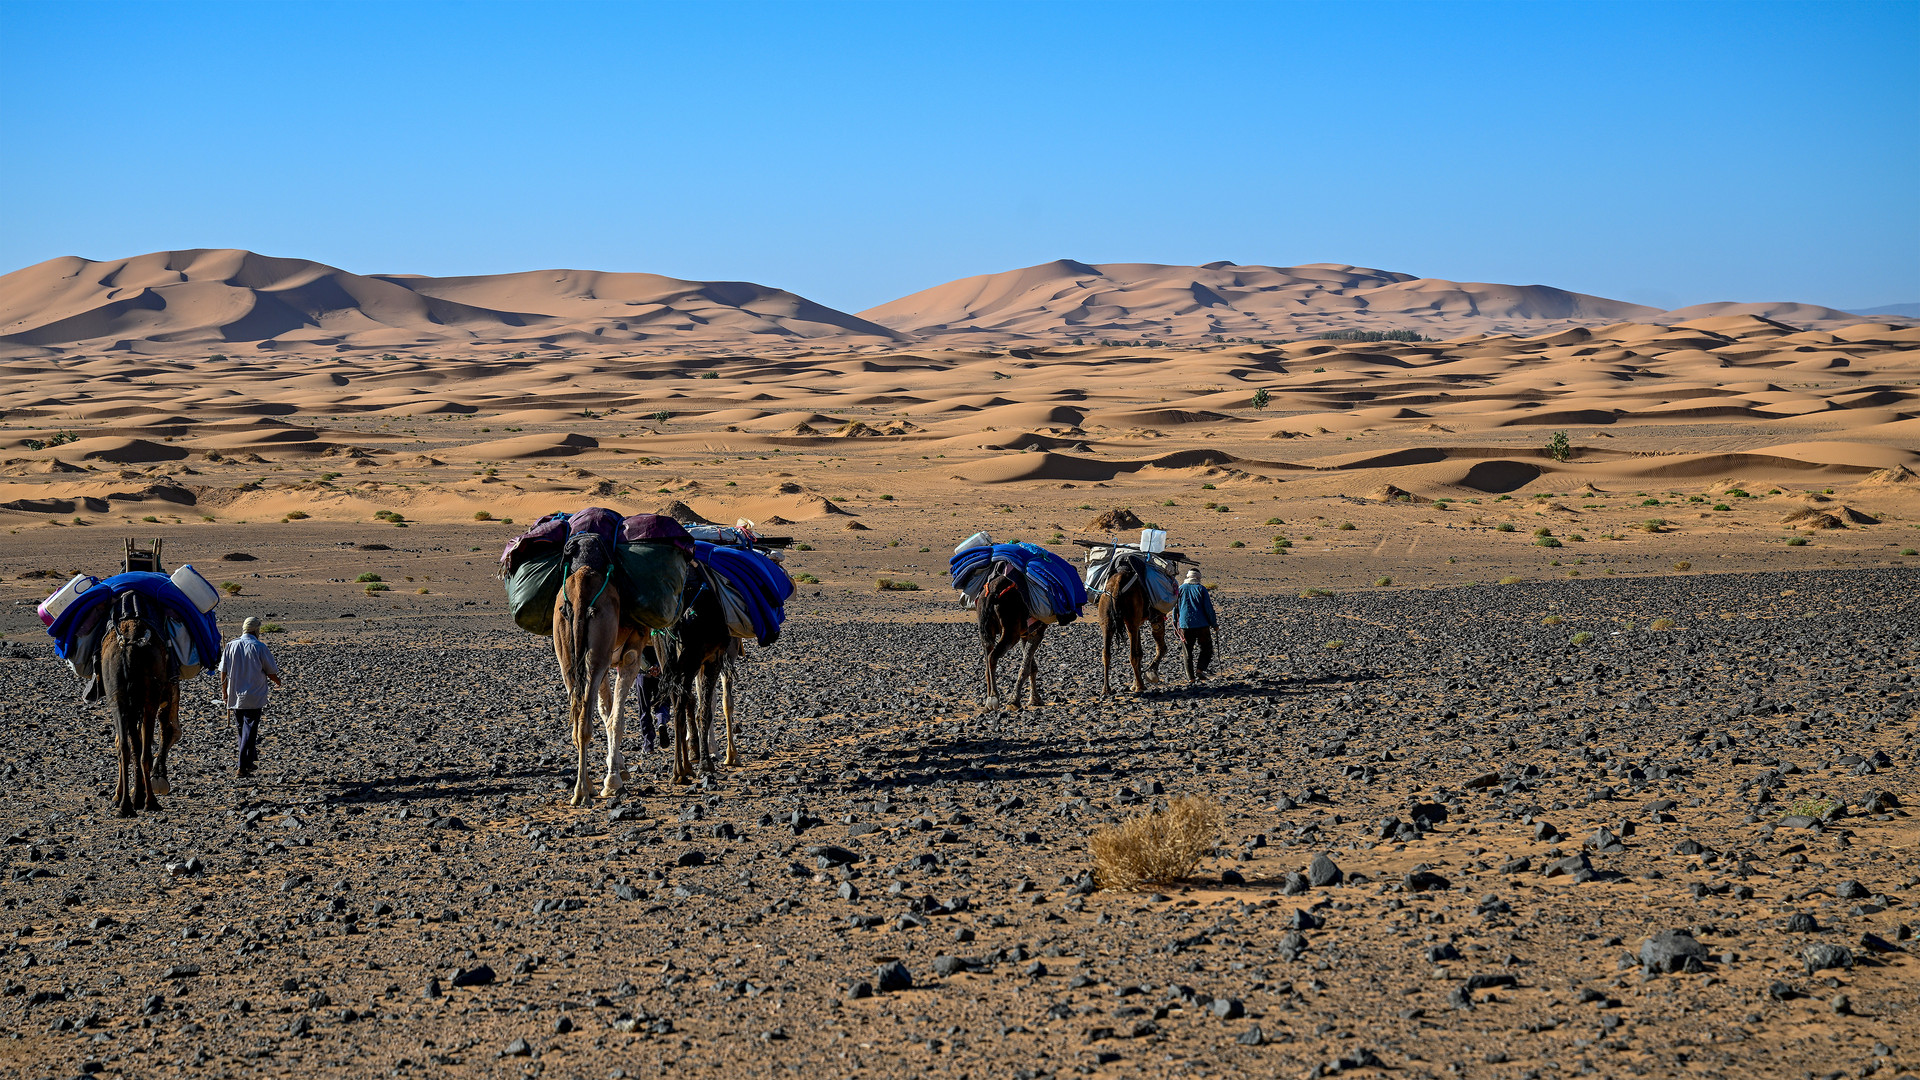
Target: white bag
53,606
197,589
978,539
734,605
184,651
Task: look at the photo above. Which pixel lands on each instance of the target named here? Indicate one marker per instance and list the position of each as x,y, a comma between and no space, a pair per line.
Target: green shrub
377,587
1346,526
1337,643
1581,638
368,576
1505,526
1552,620
482,515
1558,448
1661,624
1383,582
895,585
1546,542
806,579
1797,541
1275,521
1237,544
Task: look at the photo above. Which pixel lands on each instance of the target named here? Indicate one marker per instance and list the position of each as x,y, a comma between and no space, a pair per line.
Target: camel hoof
123,810
160,785
580,799
609,790
733,761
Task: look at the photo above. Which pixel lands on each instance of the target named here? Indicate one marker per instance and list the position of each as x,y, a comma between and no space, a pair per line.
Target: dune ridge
201,301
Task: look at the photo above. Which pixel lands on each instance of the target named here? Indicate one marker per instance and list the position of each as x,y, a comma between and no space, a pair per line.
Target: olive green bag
531,590
651,575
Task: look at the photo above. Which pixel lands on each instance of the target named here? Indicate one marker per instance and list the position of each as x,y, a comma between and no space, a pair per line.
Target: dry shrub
1159,847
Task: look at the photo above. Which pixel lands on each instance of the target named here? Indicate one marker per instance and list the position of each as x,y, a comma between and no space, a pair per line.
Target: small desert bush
1552,620
1238,544
231,588
806,579
1662,624
377,587
1505,526
1683,565
368,576
297,515
482,515
1543,531
1509,580
1909,551
1813,808
1383,582
896,585
1308,594
1159,847
1581,638
803,546
1347,526
1275,521
1337,643
273,628
1797,541
1654,525
1546,542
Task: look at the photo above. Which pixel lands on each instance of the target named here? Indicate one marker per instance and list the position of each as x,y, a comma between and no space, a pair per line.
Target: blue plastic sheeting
1037,563
757,578
156,587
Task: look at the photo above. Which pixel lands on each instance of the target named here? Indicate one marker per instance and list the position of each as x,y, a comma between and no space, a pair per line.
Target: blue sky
1666,153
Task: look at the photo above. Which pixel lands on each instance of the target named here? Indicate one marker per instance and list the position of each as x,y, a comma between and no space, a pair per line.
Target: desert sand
1425,605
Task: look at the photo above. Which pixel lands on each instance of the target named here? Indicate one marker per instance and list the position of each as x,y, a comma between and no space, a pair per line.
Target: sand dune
210,302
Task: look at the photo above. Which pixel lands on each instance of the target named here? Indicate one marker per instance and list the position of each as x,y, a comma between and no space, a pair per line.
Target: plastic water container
53,606
204,595
978,539
1153,541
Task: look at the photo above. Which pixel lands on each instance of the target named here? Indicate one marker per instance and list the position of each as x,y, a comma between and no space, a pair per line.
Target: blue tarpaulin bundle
159,588
759,582
1064,595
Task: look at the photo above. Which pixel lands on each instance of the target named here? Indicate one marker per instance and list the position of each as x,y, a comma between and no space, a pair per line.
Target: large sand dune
199,302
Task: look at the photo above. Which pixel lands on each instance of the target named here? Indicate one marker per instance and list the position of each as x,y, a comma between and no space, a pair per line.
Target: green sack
531,590
651,575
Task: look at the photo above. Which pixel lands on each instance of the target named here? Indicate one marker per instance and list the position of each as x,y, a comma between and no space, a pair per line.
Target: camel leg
1030,670
123,756
1008,638
145,734
726,713
169,734
994,648
704,752
681,696
1159,648
613,718
1107,630
1137,656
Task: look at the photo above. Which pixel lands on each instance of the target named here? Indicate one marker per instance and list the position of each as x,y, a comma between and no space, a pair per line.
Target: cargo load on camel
1051,587
649,555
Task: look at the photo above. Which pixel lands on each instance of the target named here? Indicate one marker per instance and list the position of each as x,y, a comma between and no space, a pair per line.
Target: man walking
1195,618
246,667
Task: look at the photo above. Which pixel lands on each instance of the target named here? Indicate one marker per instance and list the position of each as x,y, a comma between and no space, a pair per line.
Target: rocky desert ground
1537,759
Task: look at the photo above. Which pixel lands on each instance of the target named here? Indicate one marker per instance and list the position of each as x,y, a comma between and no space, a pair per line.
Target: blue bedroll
758,579
1061,580
156,587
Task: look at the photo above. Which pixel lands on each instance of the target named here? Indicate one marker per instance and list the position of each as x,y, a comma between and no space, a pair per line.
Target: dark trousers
248,720
1198,639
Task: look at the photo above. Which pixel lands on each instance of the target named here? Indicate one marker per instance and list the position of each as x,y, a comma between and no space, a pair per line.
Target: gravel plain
1461,840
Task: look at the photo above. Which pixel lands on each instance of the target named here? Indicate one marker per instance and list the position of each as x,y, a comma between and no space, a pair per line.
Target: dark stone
1323,871
1425,881
1852,890
1253,1036
1228,1008
1489,982
1669,951
1800,923
890,978
691,857
517,1048
1294,885
862,989
1822,957
478,975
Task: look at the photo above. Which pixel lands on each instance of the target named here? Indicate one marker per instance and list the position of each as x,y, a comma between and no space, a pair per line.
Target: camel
696,662
1124,606
141,678
1004,619
594,646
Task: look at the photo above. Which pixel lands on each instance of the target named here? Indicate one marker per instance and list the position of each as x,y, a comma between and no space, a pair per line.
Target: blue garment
246,663
1195,607
156,587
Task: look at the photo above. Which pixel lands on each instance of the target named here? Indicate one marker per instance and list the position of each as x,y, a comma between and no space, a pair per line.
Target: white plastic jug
203,595
1153,540
978,539
53,606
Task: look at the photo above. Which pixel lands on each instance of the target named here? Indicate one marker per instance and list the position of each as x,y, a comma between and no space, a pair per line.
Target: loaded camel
141,678
595,646
696,662
1005,619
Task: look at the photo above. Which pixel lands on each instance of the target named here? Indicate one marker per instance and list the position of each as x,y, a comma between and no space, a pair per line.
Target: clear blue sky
1667,153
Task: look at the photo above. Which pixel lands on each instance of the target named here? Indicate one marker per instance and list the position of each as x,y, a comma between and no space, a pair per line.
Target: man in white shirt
246,668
